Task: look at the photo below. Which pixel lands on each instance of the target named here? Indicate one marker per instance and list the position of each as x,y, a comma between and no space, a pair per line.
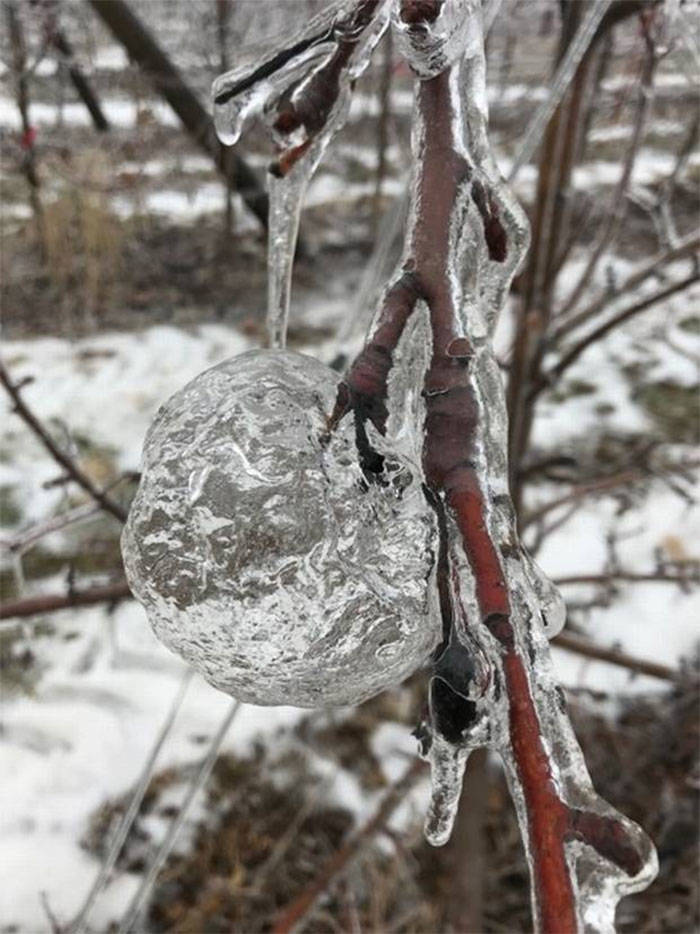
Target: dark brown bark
57,38
50,603
168,82
29,162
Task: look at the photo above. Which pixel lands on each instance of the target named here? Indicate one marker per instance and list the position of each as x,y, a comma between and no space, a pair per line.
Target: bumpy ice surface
261,552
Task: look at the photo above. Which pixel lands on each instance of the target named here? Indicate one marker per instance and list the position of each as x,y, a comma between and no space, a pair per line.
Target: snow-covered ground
82,733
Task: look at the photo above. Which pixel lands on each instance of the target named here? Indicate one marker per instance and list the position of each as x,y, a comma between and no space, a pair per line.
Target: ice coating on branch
305,101
452,33
233,108
262,552
492,681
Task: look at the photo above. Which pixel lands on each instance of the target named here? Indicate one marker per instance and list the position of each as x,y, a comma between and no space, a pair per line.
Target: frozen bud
265,554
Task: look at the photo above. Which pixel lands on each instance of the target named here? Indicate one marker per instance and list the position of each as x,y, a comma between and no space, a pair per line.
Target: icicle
286,198
447,765
327,58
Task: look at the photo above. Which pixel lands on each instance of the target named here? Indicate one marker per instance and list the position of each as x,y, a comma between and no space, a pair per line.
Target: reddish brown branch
60,456
291,917
616,213
50,603
453,444
313,105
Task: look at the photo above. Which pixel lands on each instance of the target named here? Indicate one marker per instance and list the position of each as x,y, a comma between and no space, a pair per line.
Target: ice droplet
261,552
552,604
447,765
238,94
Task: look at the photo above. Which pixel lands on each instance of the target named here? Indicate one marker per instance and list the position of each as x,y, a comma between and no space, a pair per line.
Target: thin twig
572,355
663,577
131,916
559,84
116,844
616,214
624,478
292,917
60,456
49,603
589,650
651,268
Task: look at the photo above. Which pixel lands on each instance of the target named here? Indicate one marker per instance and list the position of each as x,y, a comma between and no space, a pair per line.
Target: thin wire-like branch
651,268
561,81
50,603
571,356
616,214
292,917
614,481
60,456
117,842
23,540
131,916
639,665
661,576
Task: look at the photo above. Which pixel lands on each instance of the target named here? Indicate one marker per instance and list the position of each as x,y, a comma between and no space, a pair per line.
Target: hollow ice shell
261,552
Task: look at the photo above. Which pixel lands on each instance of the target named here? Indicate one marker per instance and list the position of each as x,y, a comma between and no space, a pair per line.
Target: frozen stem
492,681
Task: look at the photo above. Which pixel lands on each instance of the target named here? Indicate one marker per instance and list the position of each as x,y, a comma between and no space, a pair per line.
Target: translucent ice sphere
262,553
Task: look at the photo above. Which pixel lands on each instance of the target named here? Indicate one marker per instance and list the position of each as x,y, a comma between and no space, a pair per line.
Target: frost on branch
263,553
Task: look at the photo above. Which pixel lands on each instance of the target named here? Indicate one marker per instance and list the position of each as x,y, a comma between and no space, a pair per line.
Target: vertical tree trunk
549,229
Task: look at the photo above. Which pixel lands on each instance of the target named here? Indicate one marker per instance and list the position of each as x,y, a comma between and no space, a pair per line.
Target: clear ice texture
260,551
288,188
479,286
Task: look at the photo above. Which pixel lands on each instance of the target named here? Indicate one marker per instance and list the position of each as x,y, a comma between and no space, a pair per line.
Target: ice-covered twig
60,456
117,842
304,91
492,679
132,913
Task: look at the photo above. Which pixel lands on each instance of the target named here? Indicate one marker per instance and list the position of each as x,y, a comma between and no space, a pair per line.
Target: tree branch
145,51
614,657
651,268
571,356
50,603
61,458
616,213
293,916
